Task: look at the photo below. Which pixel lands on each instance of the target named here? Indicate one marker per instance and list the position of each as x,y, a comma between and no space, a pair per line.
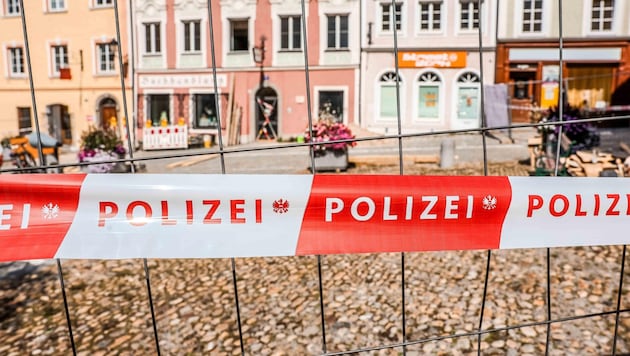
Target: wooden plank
230,105
624,147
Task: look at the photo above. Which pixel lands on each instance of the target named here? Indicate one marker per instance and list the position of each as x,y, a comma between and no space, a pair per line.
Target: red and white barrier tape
113,216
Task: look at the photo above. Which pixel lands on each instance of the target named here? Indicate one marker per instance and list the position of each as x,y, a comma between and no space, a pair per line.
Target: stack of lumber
593,164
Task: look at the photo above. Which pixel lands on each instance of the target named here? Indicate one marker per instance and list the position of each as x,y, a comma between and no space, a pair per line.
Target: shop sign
432,59
182,81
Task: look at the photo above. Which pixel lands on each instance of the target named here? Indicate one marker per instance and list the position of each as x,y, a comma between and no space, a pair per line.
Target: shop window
468,87
387,93
159,108
429,87
205,112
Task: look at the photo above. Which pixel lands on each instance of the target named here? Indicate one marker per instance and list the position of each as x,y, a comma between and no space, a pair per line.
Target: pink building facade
175,83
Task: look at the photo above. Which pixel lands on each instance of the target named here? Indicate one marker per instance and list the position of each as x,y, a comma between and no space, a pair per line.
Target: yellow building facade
76,74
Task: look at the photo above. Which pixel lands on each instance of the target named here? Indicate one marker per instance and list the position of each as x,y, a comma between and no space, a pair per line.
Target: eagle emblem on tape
489,202
50,211
280,206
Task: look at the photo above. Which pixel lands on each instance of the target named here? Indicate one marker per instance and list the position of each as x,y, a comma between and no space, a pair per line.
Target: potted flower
98,145
329,153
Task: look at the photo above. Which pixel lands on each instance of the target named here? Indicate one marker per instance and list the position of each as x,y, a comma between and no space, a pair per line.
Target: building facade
259,54
440,72
596,54
75,68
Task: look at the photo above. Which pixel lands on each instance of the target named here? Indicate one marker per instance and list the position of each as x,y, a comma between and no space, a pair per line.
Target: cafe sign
432,59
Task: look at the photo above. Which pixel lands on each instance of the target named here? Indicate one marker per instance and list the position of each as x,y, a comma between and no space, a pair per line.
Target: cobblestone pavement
279,301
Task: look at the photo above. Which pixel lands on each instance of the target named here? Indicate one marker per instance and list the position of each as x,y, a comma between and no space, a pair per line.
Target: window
469,15
337,31
24,121
290,33
388,95
331,104
56,5
105,58
468,96
429,84
430,15
60,58
103,3
239,40
152,36
532,15
388,16
205,112
192,36
16,61
602,15
13,7
159,106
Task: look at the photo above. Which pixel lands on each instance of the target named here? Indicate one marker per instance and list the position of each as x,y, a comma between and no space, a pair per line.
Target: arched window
429,88
387,93
468,85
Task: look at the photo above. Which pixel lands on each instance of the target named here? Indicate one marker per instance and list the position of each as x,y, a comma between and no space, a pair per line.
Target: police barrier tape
109,216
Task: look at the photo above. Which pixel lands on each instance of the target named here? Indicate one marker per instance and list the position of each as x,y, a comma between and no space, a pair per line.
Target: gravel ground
280,310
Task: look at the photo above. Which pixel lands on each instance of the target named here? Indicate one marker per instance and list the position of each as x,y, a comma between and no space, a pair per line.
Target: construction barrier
215,216
165,137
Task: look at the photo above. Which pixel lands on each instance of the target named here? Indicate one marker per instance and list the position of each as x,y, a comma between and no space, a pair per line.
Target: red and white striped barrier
107,216
164,137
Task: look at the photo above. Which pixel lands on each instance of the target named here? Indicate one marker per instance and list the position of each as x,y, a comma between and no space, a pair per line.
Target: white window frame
54,71
155,35
616,19
465,122
392,18
110,62
60,5
441,96
231,22
103,4
197,26
291,47
10,59
337,46
547,8
441,19
469,3
392,83
13,9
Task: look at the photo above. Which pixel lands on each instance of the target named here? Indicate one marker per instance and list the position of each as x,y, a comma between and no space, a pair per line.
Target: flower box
331,160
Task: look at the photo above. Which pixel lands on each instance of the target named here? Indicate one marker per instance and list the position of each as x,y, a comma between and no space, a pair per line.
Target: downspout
360,89
132,65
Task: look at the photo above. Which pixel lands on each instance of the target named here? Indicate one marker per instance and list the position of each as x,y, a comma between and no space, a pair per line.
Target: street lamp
259,57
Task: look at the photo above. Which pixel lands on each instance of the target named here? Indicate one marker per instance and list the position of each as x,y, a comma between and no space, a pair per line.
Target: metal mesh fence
551,301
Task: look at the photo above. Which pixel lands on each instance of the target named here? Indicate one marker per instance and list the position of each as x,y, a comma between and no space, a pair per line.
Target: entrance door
59,125
331,103
467,107
521,94
109,114
266,114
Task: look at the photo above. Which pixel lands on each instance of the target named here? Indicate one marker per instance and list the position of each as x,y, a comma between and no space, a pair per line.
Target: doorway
521,94
108,114
59,125
266,114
